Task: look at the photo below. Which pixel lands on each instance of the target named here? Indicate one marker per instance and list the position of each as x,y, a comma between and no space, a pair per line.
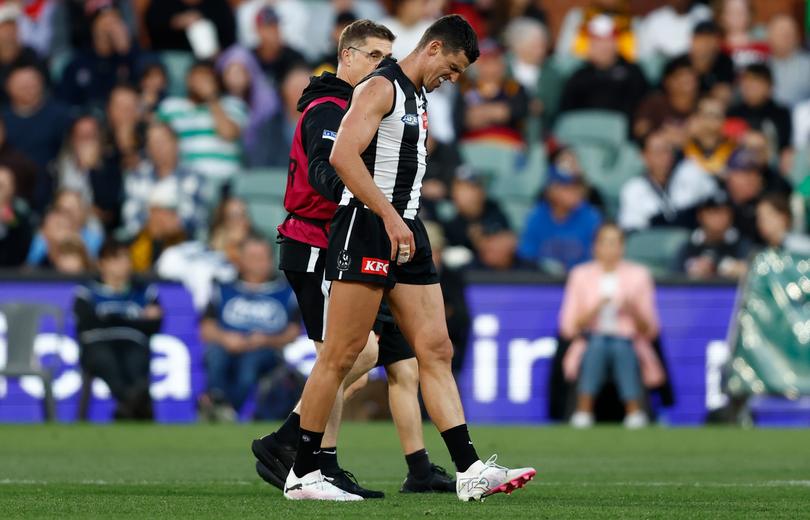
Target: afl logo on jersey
344,260
411,119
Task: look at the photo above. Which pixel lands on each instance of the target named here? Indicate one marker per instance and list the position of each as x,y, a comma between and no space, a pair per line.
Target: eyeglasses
374,56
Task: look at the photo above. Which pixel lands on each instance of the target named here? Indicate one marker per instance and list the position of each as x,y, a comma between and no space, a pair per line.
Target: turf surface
207,471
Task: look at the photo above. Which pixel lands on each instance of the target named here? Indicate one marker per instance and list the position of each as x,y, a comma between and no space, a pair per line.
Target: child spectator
71,258
115,318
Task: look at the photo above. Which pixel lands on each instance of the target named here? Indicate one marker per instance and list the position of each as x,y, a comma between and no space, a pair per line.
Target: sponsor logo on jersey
344,261
329,134
374,266
411,119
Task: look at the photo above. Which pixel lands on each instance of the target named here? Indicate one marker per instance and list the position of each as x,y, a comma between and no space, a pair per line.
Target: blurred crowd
688,125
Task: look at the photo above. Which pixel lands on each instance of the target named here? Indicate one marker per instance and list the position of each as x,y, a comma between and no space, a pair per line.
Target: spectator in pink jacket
609,315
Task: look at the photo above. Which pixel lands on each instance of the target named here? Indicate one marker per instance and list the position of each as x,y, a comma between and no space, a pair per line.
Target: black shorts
303,266
359,250
393,345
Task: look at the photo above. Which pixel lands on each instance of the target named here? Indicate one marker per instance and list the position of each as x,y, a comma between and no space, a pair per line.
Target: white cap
9,12
164,195
602,26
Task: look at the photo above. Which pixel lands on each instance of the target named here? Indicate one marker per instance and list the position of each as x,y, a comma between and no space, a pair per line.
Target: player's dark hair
355,34
455,34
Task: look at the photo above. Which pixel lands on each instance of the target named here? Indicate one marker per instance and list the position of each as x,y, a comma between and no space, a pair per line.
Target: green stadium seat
525,182
801,166
492,160
657,248
265,218
177,64
603,127
261,184
608,169
566,64
653,67
517,210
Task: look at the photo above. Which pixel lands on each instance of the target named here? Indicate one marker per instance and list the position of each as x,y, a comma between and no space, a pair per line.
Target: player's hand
403,245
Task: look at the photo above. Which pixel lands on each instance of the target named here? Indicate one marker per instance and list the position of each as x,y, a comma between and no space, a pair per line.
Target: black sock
327,459
418,464
288,433
460,447
306,460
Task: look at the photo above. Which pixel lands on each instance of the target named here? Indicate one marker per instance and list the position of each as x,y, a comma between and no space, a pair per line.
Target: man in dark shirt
758,109
716,248
115,319
745,183
35,125
275,57
168,20
715,70
606,81
92,74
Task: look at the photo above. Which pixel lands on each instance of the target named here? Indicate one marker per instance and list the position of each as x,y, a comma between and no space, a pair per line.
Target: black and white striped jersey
397,155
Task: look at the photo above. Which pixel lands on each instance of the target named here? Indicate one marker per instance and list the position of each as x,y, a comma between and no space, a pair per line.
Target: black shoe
268,476
276,458
438,481
346,481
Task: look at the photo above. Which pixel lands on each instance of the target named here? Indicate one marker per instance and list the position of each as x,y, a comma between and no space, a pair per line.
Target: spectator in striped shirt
161,168
208,124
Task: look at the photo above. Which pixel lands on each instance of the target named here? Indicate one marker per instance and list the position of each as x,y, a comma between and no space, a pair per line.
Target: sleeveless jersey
397,155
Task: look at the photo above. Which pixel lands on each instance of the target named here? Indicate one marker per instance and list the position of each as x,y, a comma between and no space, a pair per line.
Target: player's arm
320,127
372,99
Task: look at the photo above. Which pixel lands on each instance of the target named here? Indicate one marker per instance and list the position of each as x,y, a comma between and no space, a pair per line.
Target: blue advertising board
504,379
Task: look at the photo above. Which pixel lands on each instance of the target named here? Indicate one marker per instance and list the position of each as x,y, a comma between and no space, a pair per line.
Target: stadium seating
261,184
602,127
801,166
657,248
177,64
492,160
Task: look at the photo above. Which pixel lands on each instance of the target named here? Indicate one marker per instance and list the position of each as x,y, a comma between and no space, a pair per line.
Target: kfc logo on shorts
375,266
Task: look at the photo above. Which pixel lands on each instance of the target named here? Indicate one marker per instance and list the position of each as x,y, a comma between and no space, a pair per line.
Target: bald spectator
35,125
790,64
606,81
528,42
169,22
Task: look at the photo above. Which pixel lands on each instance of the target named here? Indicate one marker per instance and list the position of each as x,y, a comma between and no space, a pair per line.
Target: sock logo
305,438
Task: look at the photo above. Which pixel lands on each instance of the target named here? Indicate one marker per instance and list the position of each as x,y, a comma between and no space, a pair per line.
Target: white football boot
314,486
483,479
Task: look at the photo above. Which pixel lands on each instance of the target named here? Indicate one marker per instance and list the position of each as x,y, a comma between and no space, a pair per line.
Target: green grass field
207,471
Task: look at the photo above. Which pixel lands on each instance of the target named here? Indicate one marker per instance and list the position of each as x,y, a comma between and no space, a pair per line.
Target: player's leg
352,309
419,312
403,388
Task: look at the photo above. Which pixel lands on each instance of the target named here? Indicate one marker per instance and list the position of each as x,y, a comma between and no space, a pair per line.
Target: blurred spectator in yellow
242,78
171,23
13,53
666,32
15,224
111,59
275,57
70,216
774,221
528,42
670,108
706,145
83,168
741,40
667,194
492,106
758,109
558,234
35,125
576,35
209,124
607,80
715,70
790,63
609,315
163,229
716,248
